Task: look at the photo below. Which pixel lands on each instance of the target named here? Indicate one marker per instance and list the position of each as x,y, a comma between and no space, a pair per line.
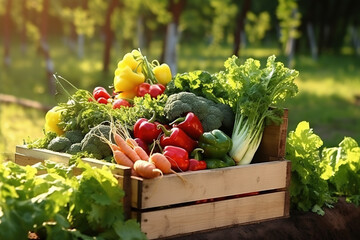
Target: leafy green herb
41,142
59,205
82,114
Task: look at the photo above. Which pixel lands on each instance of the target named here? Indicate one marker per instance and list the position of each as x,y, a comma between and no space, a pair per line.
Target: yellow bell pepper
127,95
52,118
125,79
128,60
162,73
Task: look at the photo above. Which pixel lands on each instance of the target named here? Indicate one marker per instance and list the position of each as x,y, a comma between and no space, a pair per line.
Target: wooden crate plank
182,220
273,142
205,184
44,154
24,160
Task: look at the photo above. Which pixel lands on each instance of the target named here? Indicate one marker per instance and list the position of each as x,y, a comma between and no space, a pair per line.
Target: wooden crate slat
24,160
182,220
44,154
273,142
212,184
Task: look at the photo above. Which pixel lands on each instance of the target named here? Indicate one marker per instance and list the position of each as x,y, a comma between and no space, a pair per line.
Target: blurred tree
256,26
7,33
289,21
240,23
109,34
176,8
224,12
44,46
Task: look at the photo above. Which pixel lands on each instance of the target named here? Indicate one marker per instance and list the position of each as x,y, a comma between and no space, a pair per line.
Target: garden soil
341,222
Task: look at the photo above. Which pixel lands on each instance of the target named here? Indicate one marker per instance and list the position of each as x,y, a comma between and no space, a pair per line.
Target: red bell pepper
153,89
176,137
195,163
178,157
147,130
189,124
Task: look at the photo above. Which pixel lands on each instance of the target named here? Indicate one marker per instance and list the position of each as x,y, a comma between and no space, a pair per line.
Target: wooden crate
173,205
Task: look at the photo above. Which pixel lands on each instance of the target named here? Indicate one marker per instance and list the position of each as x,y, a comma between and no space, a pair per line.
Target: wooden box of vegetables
201,200
217,142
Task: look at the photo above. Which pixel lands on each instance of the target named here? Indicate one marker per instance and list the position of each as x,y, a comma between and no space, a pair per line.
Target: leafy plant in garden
308,191
320,176
58,205
342,169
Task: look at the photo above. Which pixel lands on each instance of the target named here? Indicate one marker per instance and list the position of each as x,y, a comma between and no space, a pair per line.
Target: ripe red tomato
120,102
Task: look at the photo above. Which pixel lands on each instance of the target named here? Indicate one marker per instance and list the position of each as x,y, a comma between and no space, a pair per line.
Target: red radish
98,88
120,103
101,93
102,100
146,169
155,90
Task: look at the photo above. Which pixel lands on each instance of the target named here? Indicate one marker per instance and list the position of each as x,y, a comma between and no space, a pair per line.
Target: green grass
326,99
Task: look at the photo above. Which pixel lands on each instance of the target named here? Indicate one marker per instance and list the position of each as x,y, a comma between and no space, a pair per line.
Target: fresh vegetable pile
159,124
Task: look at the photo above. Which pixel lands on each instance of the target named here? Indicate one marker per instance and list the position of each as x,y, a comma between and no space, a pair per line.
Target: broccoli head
75,136
74,148
212,115
59,144
94,143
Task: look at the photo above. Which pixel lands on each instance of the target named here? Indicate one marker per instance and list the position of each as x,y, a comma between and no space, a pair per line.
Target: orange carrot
114,147
161,162
131,142
125,148
122,159
141,152
146,169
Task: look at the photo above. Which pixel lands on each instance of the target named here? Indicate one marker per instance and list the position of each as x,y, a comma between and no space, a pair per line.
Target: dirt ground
341,222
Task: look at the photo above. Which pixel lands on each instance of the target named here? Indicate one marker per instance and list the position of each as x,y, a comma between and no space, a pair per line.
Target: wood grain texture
181,220
199,185
273,142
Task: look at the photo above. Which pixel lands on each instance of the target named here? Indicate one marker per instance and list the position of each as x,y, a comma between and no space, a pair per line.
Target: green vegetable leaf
129,230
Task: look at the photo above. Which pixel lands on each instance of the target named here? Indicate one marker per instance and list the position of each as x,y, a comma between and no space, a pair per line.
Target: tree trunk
239,28
109,34
172,34
7,34
140,32
290,45
44,47
312,40
81,37
23,27
355,39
